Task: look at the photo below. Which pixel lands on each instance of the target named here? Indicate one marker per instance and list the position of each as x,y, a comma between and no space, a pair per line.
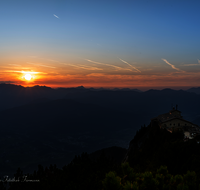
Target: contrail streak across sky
82,66
55,16
173,67
116,67
131,65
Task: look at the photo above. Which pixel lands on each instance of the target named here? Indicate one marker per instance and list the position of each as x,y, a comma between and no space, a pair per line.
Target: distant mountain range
195,90
44,125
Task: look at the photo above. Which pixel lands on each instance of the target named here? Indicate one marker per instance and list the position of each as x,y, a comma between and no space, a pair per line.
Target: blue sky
129,43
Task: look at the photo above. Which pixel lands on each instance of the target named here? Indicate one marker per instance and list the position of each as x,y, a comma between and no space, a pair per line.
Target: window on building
174,123
178,124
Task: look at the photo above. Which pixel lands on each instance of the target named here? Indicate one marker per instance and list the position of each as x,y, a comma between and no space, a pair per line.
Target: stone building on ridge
173,121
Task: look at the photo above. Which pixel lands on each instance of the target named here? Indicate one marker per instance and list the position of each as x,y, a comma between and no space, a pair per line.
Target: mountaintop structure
173,121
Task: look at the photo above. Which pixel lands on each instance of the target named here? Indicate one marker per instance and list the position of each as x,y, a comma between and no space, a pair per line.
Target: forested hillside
156,157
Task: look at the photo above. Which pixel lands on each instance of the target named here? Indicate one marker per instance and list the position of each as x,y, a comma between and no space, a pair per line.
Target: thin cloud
131,66
41,65
29,72
90,68
82,66
187,65
43,58
6,82
56,16
173,67
116,67
197,64
52,60
14,65
23,72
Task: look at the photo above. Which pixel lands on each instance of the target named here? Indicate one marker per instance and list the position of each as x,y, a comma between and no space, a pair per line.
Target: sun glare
28,77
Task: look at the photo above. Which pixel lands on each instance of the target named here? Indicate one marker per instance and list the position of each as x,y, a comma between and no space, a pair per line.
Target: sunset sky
100,43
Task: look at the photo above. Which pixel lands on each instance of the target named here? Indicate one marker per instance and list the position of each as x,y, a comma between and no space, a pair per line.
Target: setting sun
28,77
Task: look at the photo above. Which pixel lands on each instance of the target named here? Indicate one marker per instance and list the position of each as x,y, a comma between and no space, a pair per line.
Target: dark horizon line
141,88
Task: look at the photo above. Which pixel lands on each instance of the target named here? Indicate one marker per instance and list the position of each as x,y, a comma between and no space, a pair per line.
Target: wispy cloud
82,66
196,64
28,72
173,67
188,65
14,65
90,68
131,66
114,66
52,60
6,82
41,65
56,16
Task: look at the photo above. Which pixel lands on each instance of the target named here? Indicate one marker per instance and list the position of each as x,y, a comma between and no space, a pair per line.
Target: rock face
141,136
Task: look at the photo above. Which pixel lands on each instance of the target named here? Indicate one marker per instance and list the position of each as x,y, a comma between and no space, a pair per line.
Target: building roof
174,113
181,120
167,116
171,116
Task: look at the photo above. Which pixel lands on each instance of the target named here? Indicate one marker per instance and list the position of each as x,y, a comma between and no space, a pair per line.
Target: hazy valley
41,125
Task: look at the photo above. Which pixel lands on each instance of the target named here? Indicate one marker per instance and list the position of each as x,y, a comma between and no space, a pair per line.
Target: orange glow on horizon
31,76
28,76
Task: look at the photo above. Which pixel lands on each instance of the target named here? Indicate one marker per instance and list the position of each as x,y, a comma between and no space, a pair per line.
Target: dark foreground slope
45,131
158,159
84,172
153,147
54,132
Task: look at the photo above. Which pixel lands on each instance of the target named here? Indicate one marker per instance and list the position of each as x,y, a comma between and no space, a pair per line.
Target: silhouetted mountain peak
167,90
80,87
151,91
9,86
39,87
